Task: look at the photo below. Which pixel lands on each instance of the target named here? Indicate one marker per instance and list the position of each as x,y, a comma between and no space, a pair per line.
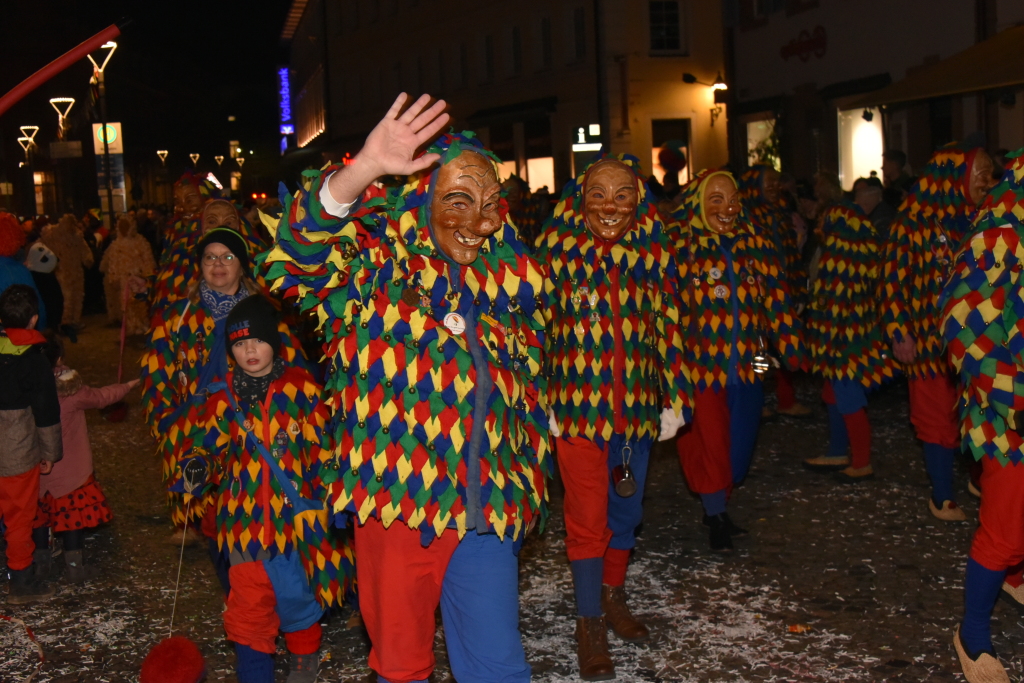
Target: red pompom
12,237
173,660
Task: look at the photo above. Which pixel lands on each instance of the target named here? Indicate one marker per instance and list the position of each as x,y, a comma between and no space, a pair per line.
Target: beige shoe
950,511
984,669
825,463
798,410
854,475
191,536
1015,596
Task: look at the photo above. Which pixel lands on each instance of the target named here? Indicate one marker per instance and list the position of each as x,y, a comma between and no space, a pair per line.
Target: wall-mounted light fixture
719,87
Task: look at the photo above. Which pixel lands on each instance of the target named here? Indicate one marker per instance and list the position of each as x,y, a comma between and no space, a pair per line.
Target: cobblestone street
834,583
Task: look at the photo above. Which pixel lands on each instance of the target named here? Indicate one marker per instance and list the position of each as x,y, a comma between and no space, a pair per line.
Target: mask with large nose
465,209
610,199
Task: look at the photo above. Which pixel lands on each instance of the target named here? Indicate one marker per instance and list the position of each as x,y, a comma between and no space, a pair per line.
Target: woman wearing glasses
187,351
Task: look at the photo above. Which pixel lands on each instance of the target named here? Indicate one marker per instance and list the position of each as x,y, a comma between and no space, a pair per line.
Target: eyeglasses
225,259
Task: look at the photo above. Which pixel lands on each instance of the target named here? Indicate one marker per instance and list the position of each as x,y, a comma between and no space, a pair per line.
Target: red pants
999,541
784,390
933,410
399,590
19,501
716,448
250,618
588,519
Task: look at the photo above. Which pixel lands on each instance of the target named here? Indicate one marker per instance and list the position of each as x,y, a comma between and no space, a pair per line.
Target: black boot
42,561
734,531
718,533
25,588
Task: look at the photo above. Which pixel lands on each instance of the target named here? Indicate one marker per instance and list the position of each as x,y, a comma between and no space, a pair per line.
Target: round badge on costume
721,291
716,274
455,323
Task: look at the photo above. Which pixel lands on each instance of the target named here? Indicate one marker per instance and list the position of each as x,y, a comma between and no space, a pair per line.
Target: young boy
30,435
264,430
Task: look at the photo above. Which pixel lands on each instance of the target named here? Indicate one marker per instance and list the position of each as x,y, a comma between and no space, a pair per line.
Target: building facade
799,68
544,83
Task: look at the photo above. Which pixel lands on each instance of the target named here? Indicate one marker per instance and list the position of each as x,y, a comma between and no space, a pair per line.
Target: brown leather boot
592,649
618,616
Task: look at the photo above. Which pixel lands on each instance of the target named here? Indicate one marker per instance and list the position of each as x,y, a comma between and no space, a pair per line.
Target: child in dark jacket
70,499
262,437
30,435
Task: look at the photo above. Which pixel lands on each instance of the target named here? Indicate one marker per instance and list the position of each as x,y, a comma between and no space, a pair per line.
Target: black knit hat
253,318
230,239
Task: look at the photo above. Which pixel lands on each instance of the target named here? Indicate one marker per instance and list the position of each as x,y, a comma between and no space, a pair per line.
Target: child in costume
186,354
264,431
30,435
615,381
70,499
432,313
918,259
760,193
735,302
844,339
983,317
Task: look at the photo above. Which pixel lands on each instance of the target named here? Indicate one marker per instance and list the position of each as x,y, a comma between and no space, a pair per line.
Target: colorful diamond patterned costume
607,298
730,295
401,382
842,327
775,221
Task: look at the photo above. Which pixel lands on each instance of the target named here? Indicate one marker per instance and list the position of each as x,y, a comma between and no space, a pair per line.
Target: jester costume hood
844,338
919,256
734,294
983,309
403,327
615,350
772,218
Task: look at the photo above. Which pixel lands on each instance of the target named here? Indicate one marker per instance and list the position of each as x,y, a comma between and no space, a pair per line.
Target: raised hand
390,148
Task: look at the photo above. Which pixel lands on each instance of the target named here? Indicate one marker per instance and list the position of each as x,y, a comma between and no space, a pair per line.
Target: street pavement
834,583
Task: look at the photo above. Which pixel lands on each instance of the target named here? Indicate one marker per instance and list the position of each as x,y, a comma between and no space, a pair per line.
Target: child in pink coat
70,499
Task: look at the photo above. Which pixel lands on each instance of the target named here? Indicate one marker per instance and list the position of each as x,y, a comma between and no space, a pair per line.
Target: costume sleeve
46,409
895,281
314,252
676,389
91,398
784,327
87,256
983,321
202,431
158,395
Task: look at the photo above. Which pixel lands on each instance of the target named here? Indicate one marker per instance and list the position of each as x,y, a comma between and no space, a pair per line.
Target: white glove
553,424
671,423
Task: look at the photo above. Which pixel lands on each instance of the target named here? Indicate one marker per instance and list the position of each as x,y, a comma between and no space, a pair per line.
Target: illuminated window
860,145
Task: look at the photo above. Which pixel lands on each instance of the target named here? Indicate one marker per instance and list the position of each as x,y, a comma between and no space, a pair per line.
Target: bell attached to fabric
622,475
763,361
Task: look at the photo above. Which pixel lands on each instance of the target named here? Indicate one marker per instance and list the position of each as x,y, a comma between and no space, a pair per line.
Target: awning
991,64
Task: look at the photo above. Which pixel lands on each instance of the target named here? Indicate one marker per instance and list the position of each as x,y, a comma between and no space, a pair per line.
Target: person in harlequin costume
185,353
735,306
432,310
760,193
983,317
918,258
525,212
178,275
191,192
844,340
615,381
264,429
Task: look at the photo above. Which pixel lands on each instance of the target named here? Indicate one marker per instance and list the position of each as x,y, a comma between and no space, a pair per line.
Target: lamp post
62,105
97,75
162,153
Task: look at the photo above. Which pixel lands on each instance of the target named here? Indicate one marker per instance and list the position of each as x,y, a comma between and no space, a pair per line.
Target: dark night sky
180,69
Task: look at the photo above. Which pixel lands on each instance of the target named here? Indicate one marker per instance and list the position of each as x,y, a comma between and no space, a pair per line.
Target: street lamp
162,153
63,107
219,159
97,77
195,159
